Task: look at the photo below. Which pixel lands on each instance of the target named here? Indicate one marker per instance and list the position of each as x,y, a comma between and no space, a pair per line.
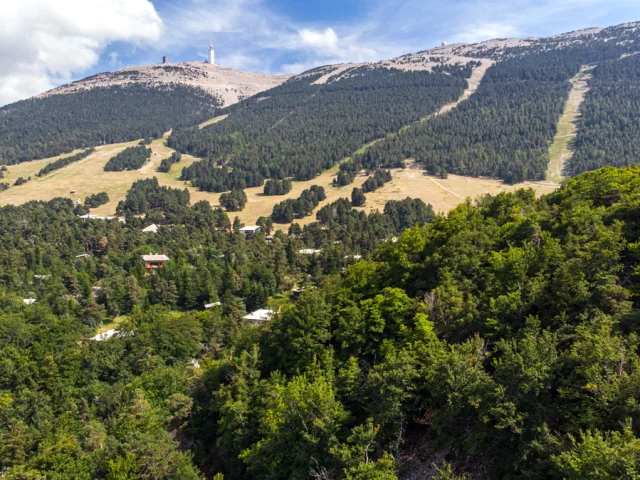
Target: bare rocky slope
228,84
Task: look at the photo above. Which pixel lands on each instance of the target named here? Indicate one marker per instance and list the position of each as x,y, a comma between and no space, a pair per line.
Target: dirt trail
473,82
445,188
561,149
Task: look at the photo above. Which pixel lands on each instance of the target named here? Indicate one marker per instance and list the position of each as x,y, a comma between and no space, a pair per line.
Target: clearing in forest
442,194
561,148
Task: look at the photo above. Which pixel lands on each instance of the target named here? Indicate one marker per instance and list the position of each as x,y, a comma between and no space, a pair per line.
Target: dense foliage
277,187
300,129
609,129
208,177
358,198
234,201
96,199
377,180
504,129
290,209
131,158
158,204
64,161
502,337
55,124
167,163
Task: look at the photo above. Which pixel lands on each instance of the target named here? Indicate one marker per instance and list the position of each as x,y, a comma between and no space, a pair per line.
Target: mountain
227,84
374,113
121,106
299,126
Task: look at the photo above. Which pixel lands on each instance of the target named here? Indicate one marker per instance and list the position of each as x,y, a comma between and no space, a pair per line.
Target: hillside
439,279
113,107
467,119
499,341
227,84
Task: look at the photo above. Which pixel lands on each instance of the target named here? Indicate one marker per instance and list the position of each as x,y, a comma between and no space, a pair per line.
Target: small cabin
258,317
154,262
153,228
250,230
296,292
29,301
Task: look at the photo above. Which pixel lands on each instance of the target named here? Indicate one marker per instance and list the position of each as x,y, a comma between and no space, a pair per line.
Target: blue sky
42,45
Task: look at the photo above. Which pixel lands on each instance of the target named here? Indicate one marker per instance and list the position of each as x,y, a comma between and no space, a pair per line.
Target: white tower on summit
212,54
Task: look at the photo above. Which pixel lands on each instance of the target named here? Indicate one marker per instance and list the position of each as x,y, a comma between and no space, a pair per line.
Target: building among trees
154,262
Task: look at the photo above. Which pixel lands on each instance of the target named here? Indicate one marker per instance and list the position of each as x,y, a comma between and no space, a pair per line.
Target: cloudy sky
45,43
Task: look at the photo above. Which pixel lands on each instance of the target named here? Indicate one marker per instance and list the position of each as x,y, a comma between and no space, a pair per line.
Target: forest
303,206
501,340
503,130
300,129
377,180
131,158
233,201
609,127
167,163
277,187
56,124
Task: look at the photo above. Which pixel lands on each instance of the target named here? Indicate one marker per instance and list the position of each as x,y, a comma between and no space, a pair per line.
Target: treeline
55,124
234,201
277,187
609,125
501,342
300,129
167,163
458,69
379,178
207,176
358,198
96,199
290,209
63,162
158,203
504,130
131,158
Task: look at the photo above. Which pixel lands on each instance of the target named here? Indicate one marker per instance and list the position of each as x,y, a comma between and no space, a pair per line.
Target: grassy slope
561,148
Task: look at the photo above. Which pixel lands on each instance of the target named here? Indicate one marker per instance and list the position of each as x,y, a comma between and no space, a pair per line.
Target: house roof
211,305
155,258
261,315
250,228
151,228
308,251
29,301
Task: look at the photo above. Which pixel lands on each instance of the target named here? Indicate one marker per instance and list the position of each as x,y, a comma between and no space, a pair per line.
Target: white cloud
326,41
44,43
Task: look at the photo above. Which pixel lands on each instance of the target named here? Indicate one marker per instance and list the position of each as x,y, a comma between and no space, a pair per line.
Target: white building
250,230
212,55
309,251
258,317
209,306
153,228
29,301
